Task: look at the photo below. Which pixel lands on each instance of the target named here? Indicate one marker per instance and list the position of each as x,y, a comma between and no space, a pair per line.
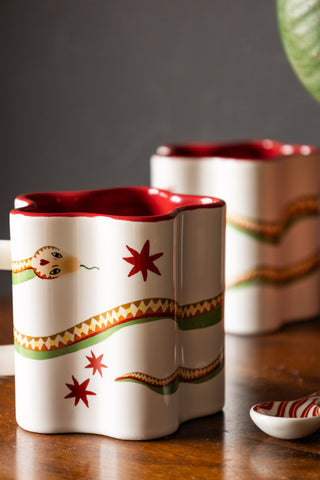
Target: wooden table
282,365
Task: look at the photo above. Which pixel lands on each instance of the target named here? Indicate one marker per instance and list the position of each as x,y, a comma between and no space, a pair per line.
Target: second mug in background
272,239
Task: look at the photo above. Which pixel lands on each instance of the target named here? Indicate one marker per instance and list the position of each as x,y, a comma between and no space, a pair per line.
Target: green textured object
299,25
23,276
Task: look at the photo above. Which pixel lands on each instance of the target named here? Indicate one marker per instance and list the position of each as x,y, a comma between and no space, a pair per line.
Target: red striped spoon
288,419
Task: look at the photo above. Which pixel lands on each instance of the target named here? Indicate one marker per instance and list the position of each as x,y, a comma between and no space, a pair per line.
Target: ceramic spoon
288,419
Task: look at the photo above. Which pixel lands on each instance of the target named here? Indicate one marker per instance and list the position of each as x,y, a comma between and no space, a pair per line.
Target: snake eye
55,271
56,254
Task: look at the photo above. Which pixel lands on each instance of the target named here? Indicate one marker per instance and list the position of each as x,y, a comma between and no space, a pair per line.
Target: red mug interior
125,202
248,150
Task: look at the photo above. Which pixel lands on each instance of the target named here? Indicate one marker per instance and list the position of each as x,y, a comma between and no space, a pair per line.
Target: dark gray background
90,88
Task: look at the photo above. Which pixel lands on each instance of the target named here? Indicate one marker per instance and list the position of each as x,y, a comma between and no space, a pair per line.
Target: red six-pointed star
143,261
95,363
79,391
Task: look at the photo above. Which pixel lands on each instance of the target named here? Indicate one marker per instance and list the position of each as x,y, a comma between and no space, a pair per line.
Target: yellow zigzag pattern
115,316
279,275
184,374
306,205
193,309
20,265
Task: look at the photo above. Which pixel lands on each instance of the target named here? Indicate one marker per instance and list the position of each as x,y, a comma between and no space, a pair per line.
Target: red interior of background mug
250,150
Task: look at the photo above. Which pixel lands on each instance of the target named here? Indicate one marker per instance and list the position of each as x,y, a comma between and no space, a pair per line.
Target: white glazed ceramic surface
288,419
126,338
272,239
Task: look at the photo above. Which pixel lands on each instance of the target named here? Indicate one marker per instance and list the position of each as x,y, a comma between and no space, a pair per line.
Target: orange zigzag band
122,314
182,374
278,276
272,230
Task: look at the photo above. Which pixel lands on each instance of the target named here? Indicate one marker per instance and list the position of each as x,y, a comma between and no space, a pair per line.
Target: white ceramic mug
118,310
272,239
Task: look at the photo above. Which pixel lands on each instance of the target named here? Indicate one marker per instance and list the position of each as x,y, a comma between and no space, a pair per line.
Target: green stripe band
173,387
165,390
200,321
274,239
20,277
274,283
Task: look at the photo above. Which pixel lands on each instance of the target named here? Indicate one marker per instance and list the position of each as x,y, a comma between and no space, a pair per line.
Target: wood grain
282,365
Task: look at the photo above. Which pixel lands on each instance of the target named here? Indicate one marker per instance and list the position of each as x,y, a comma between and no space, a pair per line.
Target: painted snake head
51,262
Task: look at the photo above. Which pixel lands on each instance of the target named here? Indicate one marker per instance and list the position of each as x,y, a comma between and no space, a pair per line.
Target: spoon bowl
288,419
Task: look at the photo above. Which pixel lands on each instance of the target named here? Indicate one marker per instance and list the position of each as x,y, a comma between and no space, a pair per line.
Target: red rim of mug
252,150
125,203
